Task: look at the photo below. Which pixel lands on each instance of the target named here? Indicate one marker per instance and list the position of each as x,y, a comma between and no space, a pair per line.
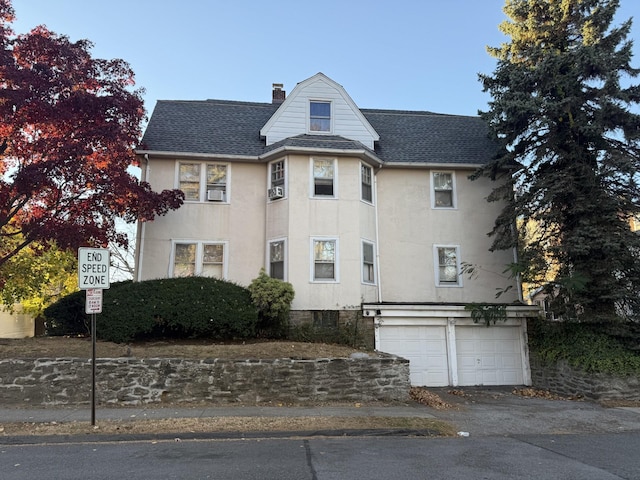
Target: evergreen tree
561,104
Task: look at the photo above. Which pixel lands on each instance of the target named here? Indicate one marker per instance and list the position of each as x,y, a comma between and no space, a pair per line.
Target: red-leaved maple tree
69,124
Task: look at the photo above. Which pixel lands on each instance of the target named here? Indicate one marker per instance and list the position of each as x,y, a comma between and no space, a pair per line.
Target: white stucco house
366,212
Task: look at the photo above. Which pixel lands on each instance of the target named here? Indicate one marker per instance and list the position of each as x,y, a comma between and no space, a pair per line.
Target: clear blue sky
401,54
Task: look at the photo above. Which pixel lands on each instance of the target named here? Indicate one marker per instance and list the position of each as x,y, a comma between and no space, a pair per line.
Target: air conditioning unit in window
276,192
215,195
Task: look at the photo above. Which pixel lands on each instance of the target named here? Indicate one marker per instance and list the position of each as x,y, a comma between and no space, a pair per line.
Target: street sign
93,302
93,268
93,276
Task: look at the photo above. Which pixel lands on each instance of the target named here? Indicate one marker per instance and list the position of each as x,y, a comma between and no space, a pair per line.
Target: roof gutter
165,154
266,157
450,166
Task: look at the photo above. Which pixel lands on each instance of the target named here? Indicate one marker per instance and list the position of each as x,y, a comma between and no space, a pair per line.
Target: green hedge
591,347
192,307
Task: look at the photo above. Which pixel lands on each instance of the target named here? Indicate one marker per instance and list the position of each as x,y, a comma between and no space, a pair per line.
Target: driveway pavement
497,411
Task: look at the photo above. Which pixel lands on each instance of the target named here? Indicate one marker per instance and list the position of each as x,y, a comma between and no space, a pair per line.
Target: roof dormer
319,106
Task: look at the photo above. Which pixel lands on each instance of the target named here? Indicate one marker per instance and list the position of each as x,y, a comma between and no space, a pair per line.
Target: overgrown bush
272,298
192,307
351,334
586,346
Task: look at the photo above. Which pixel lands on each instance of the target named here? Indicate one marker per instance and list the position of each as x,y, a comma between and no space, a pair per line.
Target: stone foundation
127,381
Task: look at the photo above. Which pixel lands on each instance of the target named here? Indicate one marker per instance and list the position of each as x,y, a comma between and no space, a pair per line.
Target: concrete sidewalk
478,411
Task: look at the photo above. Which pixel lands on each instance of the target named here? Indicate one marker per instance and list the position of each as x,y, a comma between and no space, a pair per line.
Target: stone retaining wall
563,379
127,381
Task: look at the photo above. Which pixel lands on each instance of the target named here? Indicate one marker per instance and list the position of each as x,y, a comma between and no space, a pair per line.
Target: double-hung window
366,180
189,180
368,265
277,178
216,182
443,193
203,181
324,177
184,259
276,259
325,260
198,258
447,265
319,116
277,173
212,260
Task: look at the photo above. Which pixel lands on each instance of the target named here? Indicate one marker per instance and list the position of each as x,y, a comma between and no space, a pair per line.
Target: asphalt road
584,457
509,437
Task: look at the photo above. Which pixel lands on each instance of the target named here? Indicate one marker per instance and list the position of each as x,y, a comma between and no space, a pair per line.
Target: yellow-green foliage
38,276
272,298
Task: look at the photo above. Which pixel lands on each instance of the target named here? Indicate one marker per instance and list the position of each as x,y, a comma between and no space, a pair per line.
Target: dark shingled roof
233,128
425,137
334,142
209,126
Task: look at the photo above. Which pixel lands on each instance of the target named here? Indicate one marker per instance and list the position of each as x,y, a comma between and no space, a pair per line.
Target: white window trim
285,186
203,180
312,184
312,261
199,255
454,193
375,270
286,256
362,164
436,267
331,116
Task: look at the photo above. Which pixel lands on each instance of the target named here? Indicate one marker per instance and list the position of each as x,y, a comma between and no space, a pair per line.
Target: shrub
351,333
272,298
191,307
586,346
67,317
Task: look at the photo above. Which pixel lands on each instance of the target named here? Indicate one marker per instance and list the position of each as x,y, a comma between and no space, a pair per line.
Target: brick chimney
278,93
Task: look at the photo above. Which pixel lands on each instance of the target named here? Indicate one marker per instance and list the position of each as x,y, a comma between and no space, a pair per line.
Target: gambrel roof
232,128
291,118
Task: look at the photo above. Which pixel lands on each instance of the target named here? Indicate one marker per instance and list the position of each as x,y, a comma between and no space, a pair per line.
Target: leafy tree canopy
37,276
561,109
68,127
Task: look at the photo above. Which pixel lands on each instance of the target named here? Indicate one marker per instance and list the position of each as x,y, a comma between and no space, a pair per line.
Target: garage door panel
511,361
489,356
424,346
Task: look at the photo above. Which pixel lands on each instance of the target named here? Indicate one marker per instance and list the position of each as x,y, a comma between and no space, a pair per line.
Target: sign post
93,276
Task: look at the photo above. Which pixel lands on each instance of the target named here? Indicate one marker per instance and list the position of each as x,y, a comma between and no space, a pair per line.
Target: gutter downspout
376,318
141,228
375,206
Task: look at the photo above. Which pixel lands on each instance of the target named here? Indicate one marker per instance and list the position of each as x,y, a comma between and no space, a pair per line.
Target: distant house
368,213
14,323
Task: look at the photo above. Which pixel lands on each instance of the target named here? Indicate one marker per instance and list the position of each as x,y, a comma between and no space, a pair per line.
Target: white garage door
424,346
489,355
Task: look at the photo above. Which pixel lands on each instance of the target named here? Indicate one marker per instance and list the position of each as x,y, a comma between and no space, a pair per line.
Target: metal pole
93,369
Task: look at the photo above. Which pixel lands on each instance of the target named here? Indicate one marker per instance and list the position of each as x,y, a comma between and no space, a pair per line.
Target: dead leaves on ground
545,394
433,400
425,397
